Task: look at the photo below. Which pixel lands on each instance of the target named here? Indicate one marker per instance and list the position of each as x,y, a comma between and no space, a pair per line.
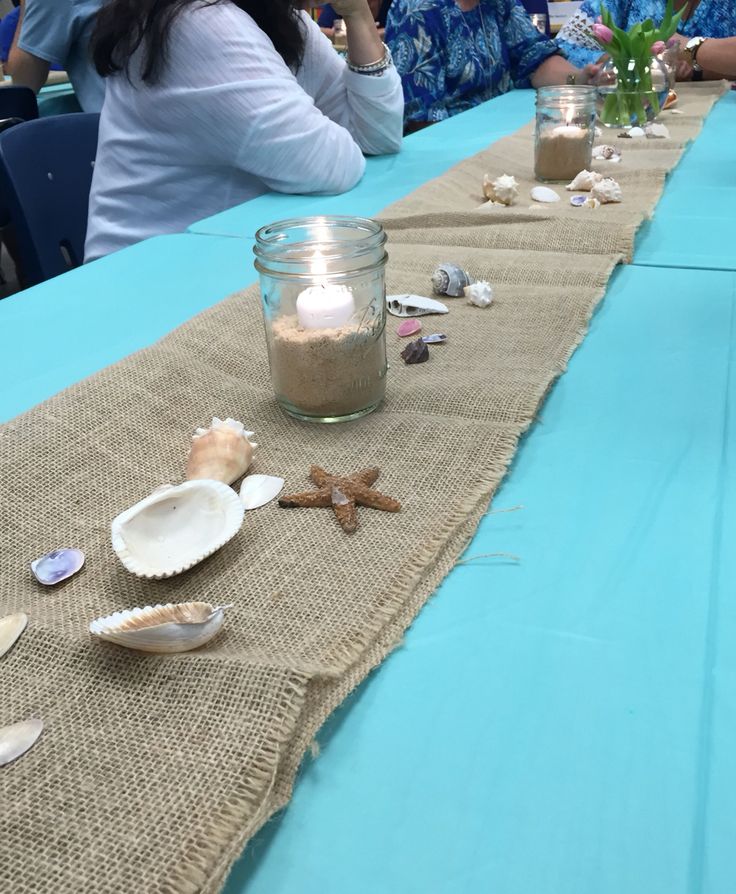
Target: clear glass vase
324,309
564,132
631,94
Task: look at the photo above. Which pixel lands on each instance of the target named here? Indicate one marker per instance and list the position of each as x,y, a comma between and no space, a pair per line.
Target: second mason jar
565,130
324,309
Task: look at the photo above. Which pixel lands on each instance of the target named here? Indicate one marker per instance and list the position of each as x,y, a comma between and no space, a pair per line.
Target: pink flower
602,33
658,47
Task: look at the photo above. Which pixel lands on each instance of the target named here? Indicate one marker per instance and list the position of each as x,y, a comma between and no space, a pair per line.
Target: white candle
324,306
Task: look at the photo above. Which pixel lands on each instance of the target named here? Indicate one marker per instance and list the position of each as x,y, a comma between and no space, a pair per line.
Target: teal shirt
58,31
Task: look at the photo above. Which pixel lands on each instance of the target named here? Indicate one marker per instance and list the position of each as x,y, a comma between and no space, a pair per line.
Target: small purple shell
57,566
436,338
578,200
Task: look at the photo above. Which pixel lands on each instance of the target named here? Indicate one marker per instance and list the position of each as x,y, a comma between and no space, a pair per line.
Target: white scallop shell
162,628
414,306
606,191
176,527
655,130
584,181
636,133
257,490
16,739
544,194
503,190
479,293
11,627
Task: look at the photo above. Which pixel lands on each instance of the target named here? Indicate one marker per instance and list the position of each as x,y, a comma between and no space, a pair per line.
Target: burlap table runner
152,773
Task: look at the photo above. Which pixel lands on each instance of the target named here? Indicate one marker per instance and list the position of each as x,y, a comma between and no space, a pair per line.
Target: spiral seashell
449,279
222,452
503,190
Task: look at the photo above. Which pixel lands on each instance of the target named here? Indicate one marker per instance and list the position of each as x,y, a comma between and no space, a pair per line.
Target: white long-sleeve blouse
229,120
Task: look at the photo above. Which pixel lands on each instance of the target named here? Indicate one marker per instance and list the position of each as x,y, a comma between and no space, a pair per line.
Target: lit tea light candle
563,151
325,305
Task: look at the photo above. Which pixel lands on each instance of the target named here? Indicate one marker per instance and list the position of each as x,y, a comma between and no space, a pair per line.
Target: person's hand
350,8
589,74
683,67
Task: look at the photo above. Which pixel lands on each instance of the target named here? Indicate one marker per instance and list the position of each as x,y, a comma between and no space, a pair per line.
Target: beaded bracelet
373,68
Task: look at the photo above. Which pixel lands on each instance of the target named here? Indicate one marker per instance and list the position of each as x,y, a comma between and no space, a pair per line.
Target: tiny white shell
257,490
176,527
164,629
544,194
657,131
606,153
479,293
636,133
584,181
11,627
17,738
414,306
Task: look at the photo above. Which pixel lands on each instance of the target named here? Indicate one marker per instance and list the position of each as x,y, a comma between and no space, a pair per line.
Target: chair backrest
18,102
45,177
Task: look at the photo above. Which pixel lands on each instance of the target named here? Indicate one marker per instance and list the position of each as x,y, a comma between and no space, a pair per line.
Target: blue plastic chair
45,177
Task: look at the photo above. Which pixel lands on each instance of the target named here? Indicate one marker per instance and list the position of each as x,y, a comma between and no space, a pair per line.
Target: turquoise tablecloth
560,725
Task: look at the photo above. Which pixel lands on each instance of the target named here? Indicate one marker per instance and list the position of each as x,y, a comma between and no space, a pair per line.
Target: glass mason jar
631,94
324,309
565,130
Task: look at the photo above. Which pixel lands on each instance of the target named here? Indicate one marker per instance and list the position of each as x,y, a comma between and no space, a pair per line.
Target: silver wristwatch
691,50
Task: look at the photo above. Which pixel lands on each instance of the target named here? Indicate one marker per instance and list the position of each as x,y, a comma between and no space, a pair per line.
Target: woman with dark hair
212,102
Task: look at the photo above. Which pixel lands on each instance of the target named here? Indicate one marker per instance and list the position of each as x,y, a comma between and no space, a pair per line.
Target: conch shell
164,629
222,452
502,191
606,191
584,181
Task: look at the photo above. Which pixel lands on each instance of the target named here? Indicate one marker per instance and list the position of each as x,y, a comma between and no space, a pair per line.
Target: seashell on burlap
607,191
584,181
164,629
17,738
11,627
222,452
257,490
657,131
606,153
436,338
449,279
415,352
480,294
176,527
408,327
502,190
544,194
57,566
414,306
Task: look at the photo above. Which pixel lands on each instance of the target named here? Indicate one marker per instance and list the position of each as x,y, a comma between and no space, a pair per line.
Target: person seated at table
8,28
328,17
706,18
211,104
48,35
714,56
454,54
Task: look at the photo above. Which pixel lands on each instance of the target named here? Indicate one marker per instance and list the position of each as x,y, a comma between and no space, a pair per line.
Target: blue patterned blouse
712,18
450,60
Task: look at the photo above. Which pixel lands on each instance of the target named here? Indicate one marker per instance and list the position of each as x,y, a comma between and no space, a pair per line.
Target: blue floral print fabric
711,18
450,60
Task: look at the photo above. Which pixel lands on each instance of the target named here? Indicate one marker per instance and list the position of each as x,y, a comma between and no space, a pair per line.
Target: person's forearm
364,44
27,70
553,70
717,57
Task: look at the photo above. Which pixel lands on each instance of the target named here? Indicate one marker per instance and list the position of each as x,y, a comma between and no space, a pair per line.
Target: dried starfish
343,494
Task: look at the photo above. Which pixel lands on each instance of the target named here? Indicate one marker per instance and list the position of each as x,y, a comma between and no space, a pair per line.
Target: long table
580,701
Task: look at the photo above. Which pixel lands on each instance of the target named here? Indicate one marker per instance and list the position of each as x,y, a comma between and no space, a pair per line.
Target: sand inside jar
327,372
562,156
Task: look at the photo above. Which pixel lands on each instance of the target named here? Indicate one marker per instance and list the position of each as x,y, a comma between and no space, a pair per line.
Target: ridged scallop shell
413,306
503,190
479,293
584,181
222,452
163,629
606,191
176,527
449,279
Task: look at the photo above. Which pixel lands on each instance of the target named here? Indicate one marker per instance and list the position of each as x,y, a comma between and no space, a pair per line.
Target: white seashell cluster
164,629
501,191
176,527
479,293
584,181
607,191
222,452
